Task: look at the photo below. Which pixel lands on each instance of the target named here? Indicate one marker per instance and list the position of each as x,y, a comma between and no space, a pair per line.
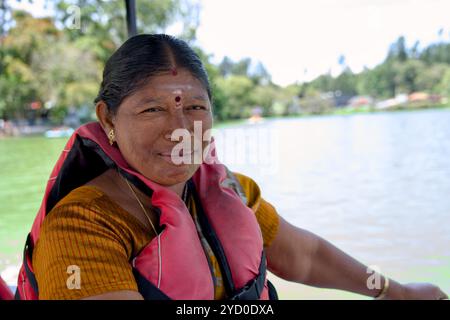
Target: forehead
181,83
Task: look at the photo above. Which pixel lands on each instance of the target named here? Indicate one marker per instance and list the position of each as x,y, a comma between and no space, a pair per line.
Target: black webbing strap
147,289
273,295
28,251
252,290
17,294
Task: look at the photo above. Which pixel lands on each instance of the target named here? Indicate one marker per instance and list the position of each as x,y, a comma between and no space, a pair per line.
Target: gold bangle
383,292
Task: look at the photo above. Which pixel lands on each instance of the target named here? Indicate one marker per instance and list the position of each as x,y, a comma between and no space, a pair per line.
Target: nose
176,121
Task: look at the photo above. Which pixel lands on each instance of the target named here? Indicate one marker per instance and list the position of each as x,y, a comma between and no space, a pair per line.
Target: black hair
142,57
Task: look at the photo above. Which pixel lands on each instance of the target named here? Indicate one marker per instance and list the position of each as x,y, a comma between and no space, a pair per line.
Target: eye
152,109
197,107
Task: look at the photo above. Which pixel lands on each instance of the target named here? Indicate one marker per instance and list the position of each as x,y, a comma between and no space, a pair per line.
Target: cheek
207,126
206,120
136,142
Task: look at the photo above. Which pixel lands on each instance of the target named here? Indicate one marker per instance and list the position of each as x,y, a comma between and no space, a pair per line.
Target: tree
323,83
346,83
434,79
260,75
407,74
219,97
436,53
242,67
238,92
444,85
264,96
226,67
398,50
41,64
62,83
19,85
105,22
41,57
379,82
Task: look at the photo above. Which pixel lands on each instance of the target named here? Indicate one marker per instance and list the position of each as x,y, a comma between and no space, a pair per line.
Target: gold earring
111,137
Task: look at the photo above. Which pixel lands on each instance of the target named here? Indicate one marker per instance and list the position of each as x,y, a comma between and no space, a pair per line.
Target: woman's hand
419,291
423,291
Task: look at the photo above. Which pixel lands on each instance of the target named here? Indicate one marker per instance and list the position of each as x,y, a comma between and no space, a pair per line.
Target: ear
104,116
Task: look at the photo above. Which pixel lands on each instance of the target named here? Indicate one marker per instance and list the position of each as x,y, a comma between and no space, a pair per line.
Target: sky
297,40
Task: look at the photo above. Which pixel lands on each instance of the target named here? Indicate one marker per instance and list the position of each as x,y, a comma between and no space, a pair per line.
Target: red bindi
174,71
177,99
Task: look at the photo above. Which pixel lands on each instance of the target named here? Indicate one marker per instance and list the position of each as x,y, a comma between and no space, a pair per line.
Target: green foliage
436,53
379,82
103,23
19,83
50,62
398,51
346,83
59,64
444,85
238,90
405,70
41,64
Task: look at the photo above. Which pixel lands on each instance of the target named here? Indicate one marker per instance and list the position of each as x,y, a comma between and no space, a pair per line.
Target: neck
178,188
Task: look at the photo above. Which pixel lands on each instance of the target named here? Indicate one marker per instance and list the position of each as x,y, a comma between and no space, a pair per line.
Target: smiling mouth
169,154
177,160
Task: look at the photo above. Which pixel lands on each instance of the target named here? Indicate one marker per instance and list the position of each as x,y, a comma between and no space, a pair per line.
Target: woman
124,219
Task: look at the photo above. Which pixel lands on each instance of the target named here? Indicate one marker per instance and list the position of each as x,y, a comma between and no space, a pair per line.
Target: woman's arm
301,256
117,295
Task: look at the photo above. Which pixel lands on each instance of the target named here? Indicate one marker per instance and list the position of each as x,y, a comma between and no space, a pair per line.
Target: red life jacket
183,272
5,292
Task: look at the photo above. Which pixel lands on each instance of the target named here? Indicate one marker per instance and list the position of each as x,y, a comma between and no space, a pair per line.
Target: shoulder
85,203
250,189
265,213
88,211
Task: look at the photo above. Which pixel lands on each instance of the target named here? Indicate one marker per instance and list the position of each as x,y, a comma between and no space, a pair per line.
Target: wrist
396,291
382,294
390,290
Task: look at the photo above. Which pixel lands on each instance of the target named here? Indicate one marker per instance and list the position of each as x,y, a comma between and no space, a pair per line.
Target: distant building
341,100
400,99
418,96
72,118
359,101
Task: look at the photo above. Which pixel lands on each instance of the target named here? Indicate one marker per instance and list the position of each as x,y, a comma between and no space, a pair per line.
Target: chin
172,176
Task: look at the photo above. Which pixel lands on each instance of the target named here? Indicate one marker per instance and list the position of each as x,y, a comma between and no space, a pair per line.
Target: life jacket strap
253,289
27,260
147,289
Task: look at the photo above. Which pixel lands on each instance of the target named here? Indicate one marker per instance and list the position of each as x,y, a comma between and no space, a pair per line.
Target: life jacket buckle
246,294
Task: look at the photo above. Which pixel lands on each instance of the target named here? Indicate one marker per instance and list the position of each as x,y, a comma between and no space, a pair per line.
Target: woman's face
146,119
